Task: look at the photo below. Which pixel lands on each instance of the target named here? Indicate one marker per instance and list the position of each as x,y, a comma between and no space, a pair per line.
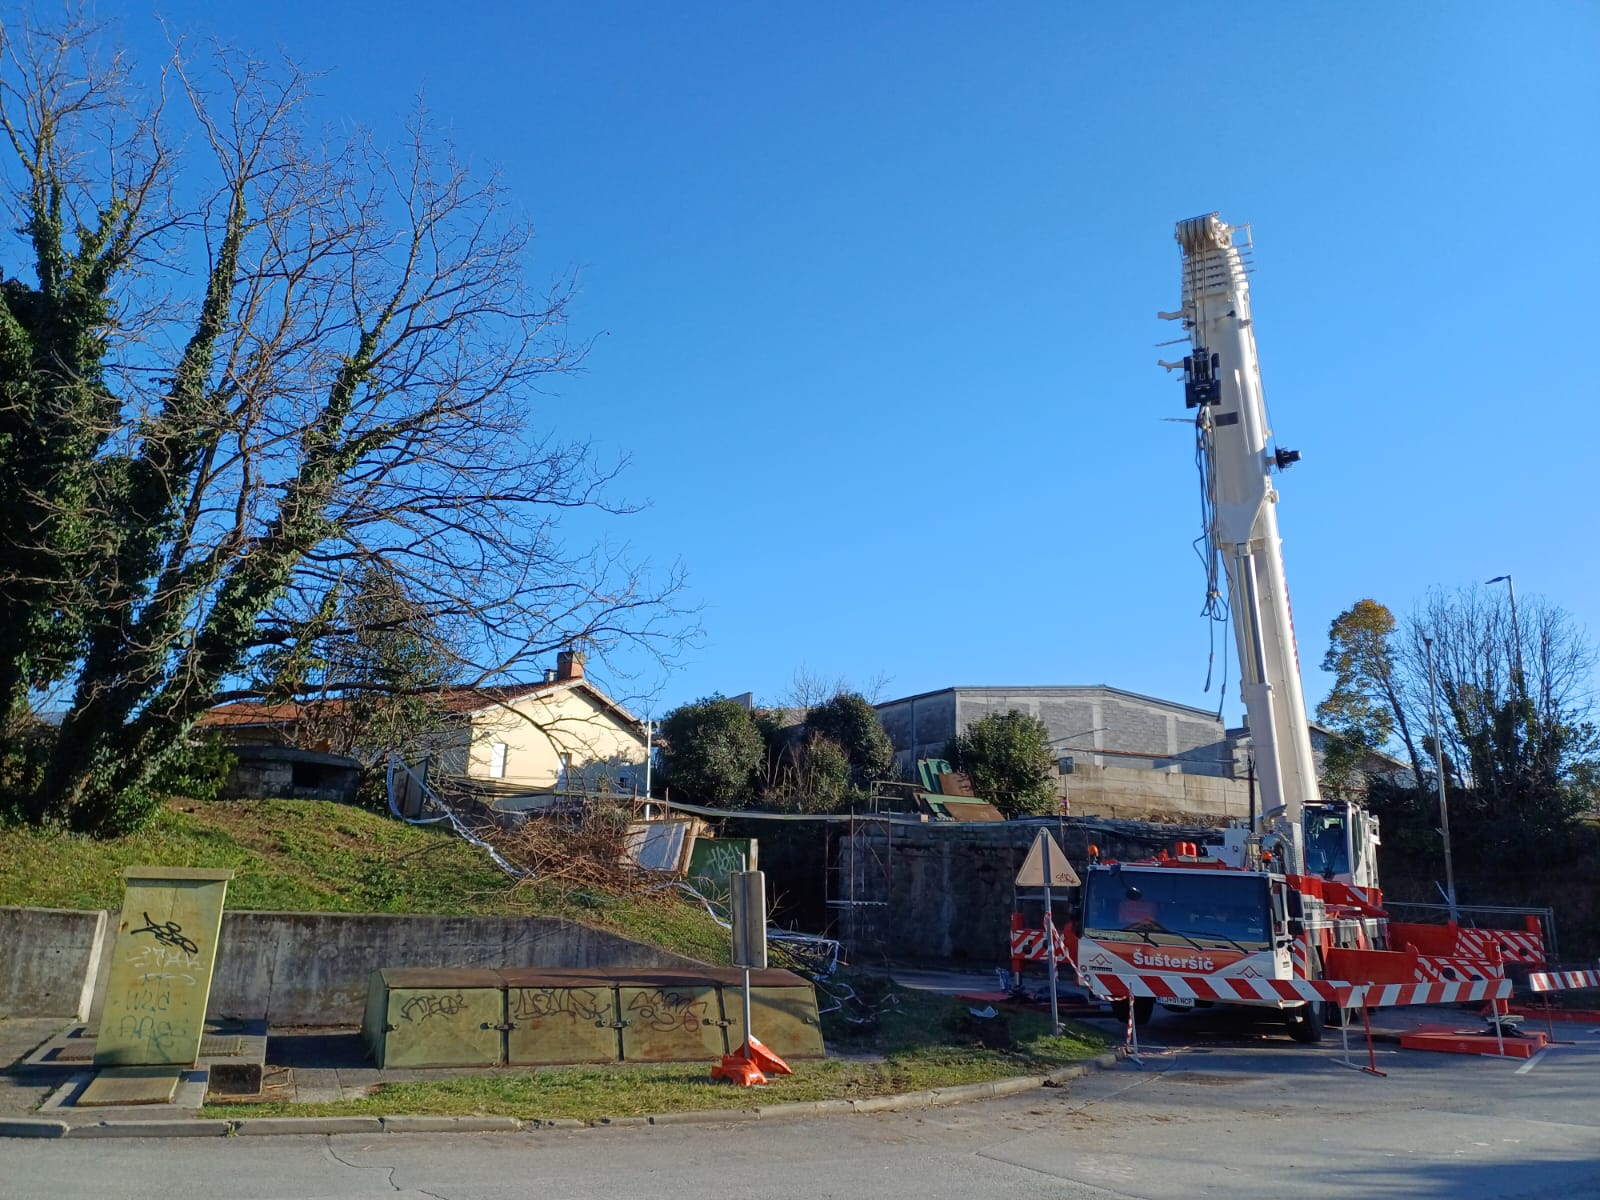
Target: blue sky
874,290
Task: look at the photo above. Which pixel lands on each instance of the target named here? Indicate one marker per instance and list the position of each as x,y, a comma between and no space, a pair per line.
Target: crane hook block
1200,383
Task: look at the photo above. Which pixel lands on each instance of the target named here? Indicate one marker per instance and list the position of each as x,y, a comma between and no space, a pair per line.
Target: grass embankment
314,856
311,856
921,1043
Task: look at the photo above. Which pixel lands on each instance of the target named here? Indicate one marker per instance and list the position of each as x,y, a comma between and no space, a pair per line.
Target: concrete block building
1118,753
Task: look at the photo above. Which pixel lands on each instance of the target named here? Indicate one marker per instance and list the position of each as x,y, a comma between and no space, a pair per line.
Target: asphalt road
1233,1118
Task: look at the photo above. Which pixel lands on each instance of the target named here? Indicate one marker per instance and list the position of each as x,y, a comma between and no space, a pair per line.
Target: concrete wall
297,968
950,887
1128,792
267,772
49,959
312,968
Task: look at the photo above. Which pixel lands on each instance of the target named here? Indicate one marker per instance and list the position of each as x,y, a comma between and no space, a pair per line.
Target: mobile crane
1284,912
1269,901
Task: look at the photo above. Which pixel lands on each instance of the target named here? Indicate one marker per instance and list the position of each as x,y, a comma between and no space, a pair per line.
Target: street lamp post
1516,631
1444,810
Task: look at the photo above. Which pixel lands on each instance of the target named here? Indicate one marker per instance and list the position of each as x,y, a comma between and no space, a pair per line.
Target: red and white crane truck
1285,913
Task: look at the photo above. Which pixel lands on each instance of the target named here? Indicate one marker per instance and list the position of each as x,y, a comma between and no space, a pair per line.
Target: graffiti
714,859
665,1011
163,1037
151,960
169,934
148,999
420,1008
576,1004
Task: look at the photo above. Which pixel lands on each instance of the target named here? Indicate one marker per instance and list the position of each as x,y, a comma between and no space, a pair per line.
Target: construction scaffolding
857,881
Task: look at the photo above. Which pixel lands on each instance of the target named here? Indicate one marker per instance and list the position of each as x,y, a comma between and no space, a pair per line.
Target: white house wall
537,730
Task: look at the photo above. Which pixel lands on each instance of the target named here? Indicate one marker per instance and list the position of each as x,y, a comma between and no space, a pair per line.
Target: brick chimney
569,664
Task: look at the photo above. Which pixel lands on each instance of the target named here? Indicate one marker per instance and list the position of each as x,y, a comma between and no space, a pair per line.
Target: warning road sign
1033,875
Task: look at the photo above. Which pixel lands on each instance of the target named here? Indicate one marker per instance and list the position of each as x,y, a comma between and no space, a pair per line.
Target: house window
497,760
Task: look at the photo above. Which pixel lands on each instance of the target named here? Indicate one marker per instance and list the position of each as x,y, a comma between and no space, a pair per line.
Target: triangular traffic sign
1032,873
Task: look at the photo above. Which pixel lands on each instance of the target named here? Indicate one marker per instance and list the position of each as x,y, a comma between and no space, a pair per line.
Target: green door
553,1023
785,1019
443,1025
671,1022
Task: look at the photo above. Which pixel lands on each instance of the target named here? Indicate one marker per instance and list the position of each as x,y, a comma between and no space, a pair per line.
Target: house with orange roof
561,733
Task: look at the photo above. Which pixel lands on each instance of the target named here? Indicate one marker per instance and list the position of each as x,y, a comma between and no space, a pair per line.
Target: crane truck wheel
1143,1006
1304,1022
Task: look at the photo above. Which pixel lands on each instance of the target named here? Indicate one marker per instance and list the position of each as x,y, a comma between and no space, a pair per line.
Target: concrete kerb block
705,1116
32,1127
962,1092
799,1108
266,1126
906,1100
1103,1062
1010,1087
450,1124
173,1127
534,1124
615,1122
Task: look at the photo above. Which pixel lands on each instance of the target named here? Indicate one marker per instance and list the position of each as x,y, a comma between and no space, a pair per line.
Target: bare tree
356,384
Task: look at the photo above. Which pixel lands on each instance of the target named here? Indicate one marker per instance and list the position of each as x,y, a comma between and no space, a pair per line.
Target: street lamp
1444,811
1516,632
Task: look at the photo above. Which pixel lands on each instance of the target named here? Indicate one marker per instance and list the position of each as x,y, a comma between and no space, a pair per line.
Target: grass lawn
315,856
918,1045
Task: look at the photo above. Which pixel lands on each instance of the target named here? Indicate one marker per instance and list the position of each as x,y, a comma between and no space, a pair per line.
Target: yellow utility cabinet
160,980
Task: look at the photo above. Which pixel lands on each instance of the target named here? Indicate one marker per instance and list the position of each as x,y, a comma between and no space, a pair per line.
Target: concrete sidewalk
24,1088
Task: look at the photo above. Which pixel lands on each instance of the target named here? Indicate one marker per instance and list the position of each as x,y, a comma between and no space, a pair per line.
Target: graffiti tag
420,1008
160,959
163,1037
576,1004
666,1012
169,933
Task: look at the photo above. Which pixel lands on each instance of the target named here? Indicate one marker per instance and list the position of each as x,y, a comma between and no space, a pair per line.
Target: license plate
1178,1002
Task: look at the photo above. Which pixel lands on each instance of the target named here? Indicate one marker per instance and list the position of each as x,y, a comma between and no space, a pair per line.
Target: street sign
1032,874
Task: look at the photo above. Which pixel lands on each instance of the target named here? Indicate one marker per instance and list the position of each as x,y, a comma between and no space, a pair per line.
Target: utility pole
1444,810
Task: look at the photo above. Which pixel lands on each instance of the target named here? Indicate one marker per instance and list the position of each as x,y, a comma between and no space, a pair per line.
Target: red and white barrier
1224,988
1391,995
1516,945
1028,944
1227,988
1440,968
1555,981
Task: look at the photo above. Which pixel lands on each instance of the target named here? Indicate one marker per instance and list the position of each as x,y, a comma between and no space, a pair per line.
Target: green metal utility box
154,1012
543,1017
435,1018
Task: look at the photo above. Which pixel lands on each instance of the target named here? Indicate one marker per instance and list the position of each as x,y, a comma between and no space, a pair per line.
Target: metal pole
1516,630
1444,809
747,1034
1250,779
1050,939
649,731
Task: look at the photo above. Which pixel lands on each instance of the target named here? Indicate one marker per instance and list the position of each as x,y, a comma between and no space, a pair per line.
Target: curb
33,1127
179,1127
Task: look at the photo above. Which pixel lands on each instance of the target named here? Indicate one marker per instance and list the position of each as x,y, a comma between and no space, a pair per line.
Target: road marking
1531,1063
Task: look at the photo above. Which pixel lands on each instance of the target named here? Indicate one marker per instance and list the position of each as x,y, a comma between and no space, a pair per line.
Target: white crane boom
1222,381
